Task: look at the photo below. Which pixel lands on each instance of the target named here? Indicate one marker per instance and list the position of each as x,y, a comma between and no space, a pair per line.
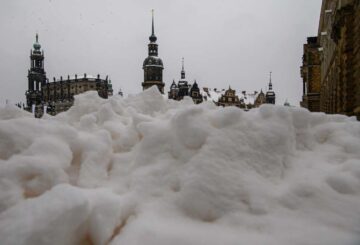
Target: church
54,97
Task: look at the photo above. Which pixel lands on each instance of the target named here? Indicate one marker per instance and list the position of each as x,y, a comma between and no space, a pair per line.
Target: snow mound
145,170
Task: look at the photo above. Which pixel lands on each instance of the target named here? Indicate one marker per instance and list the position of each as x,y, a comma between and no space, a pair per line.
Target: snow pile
144,170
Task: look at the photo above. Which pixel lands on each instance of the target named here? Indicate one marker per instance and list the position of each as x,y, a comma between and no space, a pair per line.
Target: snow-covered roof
79,77
212,94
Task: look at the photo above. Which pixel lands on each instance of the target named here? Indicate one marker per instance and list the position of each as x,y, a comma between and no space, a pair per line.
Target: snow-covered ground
144,170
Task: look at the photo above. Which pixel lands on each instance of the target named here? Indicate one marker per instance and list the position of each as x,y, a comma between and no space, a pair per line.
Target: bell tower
36,76
153,66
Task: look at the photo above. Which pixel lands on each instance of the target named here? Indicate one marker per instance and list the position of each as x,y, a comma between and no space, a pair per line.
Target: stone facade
310,73
339,41
59,95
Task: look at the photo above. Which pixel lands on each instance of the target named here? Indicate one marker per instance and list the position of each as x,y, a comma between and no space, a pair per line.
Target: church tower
153,66
36,76
270,94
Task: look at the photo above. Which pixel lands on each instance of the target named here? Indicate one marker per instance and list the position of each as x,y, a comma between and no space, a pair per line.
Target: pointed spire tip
152,37
152,15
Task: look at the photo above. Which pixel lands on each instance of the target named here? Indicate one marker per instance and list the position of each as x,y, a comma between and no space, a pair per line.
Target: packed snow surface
145,170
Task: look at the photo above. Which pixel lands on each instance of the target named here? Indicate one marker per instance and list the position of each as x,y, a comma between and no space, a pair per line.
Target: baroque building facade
229,98
339,44
153,66
54,97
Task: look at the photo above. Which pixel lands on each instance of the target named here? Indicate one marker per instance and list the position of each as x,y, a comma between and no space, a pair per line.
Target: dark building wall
311,75
58,96
340,63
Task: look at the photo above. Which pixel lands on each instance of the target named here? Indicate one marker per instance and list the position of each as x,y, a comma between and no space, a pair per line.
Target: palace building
183,88
54,97
331,63
153,66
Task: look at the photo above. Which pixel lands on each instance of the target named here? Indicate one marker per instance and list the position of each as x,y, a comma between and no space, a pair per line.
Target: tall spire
183,70
152,13
270,83
152,37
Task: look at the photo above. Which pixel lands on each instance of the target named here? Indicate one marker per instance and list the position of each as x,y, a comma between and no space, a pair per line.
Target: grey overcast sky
224,42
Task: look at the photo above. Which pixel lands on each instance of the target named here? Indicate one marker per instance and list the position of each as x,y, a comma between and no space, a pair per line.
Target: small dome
153,61
37,46
153,38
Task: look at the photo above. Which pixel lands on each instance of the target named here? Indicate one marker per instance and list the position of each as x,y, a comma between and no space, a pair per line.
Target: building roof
153,61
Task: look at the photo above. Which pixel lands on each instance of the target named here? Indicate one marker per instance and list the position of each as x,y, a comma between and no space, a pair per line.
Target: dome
37,46
153,38
153,61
